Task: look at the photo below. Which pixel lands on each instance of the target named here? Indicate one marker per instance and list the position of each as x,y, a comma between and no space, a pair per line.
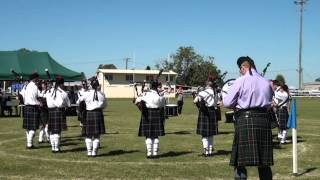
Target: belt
95,110
251,110
57,108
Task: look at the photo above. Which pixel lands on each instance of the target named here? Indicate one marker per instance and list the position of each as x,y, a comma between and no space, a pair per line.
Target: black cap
246,58
154,84
34,76
94,83
59,80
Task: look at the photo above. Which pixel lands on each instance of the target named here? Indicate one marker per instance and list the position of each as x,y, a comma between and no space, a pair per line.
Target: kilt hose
152,123
31,117
207,122
44,116
282,117
94,123
252,143
57,120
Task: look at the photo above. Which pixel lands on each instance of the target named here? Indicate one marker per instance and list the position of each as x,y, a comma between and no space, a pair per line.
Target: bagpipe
153,83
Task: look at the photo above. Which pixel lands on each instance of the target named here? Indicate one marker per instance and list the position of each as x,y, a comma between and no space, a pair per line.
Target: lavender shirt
249,91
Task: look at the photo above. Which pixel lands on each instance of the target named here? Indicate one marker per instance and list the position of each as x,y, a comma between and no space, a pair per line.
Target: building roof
135,71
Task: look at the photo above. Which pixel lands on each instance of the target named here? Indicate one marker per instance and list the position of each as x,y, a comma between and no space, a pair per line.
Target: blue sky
82,34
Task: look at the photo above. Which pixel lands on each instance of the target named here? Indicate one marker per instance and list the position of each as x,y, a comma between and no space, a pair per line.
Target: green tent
25,62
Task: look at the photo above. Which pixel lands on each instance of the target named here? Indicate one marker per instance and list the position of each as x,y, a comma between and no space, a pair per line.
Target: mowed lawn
122,155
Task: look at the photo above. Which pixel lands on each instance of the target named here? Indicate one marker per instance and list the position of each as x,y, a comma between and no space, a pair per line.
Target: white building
119,83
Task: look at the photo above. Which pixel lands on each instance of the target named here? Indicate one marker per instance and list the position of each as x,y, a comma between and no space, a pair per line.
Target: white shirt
81,92
208,96
152,99
61,99
280,98
30,93
91,104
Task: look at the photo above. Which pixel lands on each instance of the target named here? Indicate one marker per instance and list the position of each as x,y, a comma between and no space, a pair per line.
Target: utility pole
126,60
300,3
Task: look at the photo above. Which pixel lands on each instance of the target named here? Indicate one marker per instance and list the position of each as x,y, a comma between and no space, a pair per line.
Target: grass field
122,155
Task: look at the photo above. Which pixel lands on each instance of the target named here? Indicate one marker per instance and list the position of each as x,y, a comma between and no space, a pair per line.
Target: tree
148,68
107,66
192,68
317,80
280,78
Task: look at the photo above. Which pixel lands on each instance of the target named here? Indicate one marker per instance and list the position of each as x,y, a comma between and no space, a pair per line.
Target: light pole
301,4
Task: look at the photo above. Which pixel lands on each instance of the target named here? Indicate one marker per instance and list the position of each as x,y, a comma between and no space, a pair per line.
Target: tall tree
107,66
317,80
280,78
192,68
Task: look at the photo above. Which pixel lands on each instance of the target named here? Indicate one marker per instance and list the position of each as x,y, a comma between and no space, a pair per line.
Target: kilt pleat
252,144
207,122
56,121
282,117
31,117
94,123
152,123
218,113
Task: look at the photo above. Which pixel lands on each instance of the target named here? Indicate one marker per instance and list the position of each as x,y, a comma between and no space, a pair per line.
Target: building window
129,77
149,77
169,78
109,77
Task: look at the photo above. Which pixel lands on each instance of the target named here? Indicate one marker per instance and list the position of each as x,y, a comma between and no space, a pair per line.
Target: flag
292,121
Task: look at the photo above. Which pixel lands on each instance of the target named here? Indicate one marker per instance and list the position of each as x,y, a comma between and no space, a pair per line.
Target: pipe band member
207,125
251,96
57,102
31,113
93,124
281,103
152,118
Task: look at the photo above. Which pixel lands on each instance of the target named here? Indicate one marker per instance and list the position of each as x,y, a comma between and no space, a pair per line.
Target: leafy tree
280,78
148,68
192,68
107,66
318,79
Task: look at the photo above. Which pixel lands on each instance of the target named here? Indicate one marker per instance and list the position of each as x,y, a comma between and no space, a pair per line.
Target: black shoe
30,147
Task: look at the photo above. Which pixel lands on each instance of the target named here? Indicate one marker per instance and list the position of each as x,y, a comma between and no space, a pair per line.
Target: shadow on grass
116,132
179,132
78,149
226,132
221,152
307,171
118,152
174,154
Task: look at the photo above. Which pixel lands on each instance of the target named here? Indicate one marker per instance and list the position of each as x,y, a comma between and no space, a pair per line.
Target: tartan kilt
207,122
31,117
282,117
44,116
252,143
94,123
152,123
57,120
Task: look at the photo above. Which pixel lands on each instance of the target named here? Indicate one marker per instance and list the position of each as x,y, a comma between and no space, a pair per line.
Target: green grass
122,155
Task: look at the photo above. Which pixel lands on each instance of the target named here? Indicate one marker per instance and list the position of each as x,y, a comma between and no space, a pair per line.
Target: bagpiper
151,105
281,103
57,102
31,113
207,125
93,125
43,132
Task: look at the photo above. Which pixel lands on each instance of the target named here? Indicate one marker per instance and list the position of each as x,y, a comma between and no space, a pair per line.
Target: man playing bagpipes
57,101
82,106
207,125
151,105
31,114
93,124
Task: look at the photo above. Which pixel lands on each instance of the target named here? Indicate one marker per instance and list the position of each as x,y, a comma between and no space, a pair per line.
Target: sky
81,34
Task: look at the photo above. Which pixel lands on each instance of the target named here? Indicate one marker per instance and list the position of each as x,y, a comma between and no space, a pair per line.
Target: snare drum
171,110
229,116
